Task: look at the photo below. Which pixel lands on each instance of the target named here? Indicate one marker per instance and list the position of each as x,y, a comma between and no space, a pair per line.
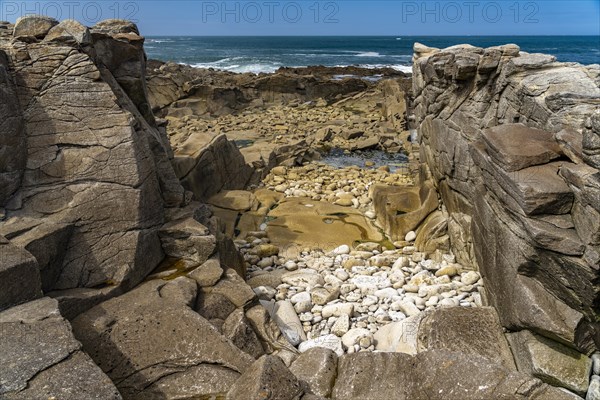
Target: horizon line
394,36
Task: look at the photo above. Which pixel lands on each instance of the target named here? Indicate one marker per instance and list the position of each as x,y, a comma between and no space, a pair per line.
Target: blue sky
341,17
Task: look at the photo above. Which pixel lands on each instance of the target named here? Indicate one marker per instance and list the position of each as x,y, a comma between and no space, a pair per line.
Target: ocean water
266,54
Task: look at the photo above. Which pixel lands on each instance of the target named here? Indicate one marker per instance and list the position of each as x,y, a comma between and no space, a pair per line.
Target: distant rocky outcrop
512,142
181,90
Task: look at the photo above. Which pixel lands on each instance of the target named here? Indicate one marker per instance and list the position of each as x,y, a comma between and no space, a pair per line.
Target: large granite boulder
83,187
206,168
42,360
470,331
267,378
434,375
551,362
154,346
510,141
316,369
33,26
402,209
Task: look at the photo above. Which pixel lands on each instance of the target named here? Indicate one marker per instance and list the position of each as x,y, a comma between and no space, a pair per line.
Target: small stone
407,308
410,236
290,266
329,341
303,306
300,297
306,317
341,325
266,250
401,262
449,270
322,296
593,392
470,278
596,363
343,249
336,310
265,292
370,214
342,274
448,302
386,293
265,263
353,337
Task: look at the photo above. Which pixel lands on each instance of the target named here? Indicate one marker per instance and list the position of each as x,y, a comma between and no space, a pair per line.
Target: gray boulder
36,26
267,378
153,346
42,359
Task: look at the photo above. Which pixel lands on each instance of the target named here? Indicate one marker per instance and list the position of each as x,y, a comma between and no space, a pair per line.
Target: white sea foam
255,68
369,54
397,67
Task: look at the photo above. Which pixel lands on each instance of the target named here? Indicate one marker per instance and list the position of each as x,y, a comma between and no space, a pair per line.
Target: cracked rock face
85,170
511,140
42,359
154,346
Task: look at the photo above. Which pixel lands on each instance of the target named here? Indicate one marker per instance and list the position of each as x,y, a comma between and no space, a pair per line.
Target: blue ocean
267,53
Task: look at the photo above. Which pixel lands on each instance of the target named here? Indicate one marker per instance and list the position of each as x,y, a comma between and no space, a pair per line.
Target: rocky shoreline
175,233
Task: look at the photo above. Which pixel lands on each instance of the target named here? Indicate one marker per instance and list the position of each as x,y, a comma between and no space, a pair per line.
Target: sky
341,17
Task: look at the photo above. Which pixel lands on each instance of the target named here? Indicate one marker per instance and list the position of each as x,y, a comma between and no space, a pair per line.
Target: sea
268,53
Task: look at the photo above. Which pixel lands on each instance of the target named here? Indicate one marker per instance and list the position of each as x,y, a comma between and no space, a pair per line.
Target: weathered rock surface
154,346
19,275
42,359
267,378
494,126
551,362
432,375
88,174
35,26
475,331
316,368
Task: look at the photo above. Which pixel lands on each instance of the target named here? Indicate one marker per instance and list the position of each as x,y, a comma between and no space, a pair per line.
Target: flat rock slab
474,331
153,346
301,222
434,375
41,359
516,146
551,362
237,200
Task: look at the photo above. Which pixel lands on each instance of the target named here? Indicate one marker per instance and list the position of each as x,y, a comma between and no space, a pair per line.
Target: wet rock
303,278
